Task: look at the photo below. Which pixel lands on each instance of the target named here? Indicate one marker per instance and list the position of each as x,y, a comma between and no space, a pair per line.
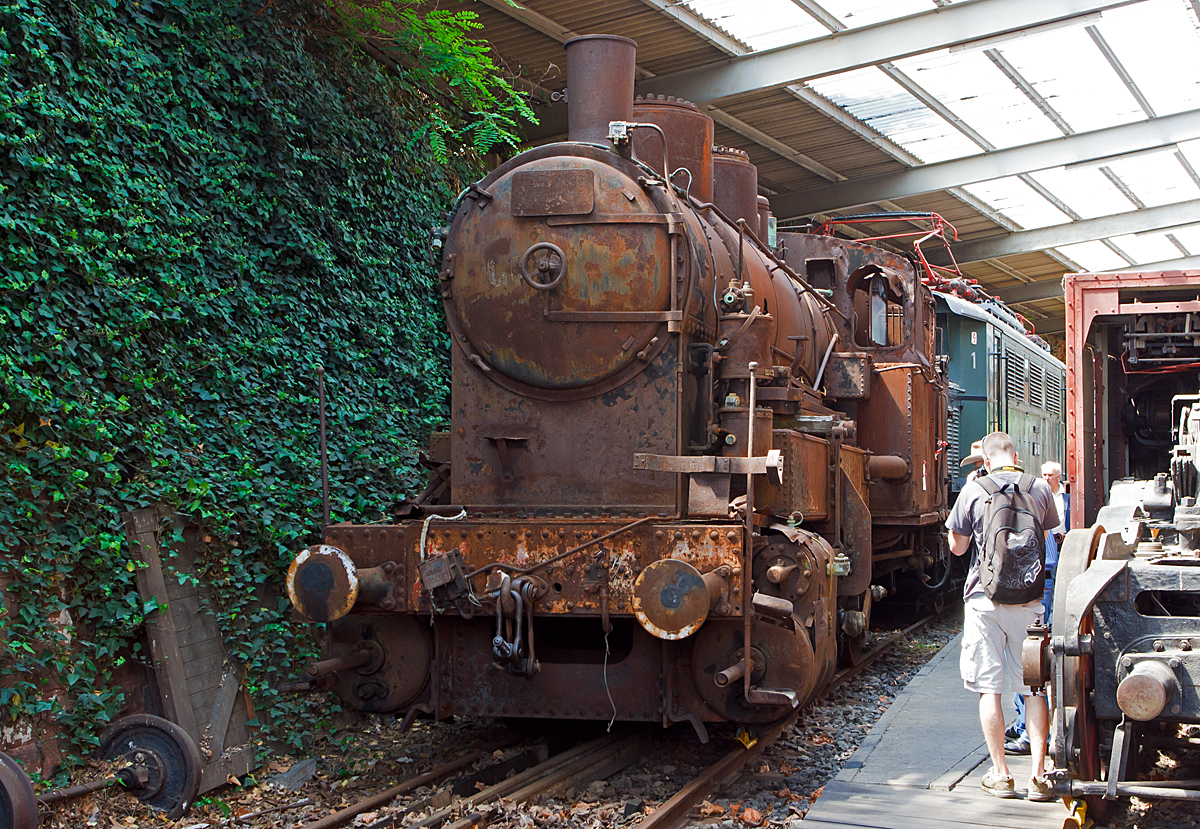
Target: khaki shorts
991,644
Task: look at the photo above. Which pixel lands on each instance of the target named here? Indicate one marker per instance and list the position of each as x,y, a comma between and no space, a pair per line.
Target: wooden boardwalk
920,766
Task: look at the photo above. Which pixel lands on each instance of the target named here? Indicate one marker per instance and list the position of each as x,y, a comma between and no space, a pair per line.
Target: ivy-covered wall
201,201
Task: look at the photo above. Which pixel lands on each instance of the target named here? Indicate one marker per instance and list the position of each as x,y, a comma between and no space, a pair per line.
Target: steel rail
675,810
592,760
431,777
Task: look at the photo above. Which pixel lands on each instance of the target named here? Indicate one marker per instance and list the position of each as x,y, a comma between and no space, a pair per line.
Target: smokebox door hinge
506,466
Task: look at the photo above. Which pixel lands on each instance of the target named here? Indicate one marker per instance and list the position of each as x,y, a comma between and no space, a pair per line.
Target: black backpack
1012,562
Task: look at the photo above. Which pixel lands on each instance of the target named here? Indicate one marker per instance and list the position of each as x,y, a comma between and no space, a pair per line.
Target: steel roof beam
1047,289
892,40
930,178
1183,263
1072,233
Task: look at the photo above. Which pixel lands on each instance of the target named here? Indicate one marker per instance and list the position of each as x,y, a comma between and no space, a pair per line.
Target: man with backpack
1007,512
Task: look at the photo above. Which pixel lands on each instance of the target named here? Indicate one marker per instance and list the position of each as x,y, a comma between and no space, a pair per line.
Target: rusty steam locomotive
682,462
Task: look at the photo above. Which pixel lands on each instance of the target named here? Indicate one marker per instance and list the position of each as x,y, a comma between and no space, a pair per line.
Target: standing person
976,461
1007,514
1016,736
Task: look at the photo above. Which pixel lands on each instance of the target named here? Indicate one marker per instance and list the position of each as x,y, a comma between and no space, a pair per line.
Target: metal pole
324,454
748,557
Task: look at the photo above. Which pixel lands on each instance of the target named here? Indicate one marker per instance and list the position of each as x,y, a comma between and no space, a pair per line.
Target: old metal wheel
169,755
1079,728
18,806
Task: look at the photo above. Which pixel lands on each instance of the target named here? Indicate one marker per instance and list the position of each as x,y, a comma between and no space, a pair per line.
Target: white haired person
1007,513
1016,736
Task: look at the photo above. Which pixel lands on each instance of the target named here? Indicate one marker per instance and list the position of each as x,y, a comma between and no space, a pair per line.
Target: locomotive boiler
1122,646
683,460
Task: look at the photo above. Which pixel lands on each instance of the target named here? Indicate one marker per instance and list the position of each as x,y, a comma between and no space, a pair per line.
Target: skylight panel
1191,153
1148,248
971,86
1156,179
1095,257
1188,236
761,24
856,13
1067,69
1086,191
873,97
1018,201
1157,41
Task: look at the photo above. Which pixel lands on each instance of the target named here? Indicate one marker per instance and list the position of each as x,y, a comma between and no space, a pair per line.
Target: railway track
461,797
672,812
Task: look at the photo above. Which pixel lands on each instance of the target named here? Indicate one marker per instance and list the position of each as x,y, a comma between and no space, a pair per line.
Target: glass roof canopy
1118,67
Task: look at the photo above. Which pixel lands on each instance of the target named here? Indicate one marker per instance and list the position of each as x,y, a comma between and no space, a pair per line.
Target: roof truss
1055,152
939,28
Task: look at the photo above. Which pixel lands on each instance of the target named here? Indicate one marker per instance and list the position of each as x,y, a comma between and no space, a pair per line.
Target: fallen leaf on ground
709,809
812,798
751,817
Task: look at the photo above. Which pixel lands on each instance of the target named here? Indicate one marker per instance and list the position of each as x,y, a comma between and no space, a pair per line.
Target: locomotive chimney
600,70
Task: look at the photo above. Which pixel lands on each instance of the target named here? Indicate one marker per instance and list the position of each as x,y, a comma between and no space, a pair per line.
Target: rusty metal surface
789,662
574,682
575,583
708,494
804,488
848,376
670,599
553,192
892,467
600,71
392,681
497,316
689,142
735,185
322,583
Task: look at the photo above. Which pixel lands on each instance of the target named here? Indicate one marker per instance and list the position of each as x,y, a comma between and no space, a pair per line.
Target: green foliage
484,110
201,201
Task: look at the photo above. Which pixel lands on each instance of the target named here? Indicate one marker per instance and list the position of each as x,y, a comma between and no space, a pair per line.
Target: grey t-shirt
967,516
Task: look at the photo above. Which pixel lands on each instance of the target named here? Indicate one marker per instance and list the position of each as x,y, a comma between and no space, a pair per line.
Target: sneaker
1039,789
998,785
1017,746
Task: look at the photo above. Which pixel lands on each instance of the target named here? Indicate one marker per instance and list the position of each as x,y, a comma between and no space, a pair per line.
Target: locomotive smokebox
600,71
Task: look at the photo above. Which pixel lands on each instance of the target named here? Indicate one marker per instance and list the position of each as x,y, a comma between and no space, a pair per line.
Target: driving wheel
168,754
1076,733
